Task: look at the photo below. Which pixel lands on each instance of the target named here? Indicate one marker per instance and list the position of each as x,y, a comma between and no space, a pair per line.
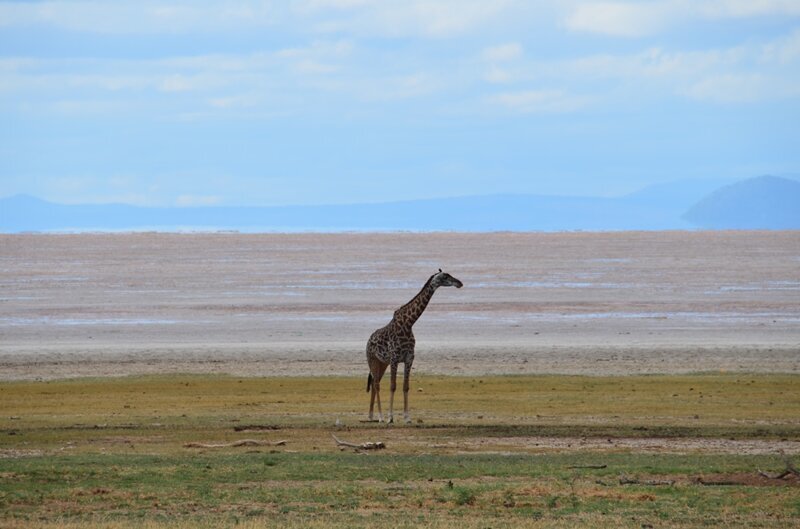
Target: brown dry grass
110,452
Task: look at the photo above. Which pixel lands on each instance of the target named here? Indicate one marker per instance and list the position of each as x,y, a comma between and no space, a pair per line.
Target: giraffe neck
409,313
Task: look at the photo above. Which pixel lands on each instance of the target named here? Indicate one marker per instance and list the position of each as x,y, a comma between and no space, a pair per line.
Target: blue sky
338,101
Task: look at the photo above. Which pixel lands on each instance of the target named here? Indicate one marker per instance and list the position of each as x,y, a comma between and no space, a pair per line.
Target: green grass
349,488
109,453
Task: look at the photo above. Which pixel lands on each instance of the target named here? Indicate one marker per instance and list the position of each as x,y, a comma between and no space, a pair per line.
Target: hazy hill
475,213
764,202
677,195
660,207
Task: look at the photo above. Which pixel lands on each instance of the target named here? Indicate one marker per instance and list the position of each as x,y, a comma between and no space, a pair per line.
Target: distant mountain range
766,202
763,202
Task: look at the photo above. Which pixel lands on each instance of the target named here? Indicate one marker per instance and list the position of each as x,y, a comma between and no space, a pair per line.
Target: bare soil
654,445
303,304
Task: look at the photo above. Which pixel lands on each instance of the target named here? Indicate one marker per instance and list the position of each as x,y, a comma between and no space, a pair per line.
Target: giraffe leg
372,372
376,391
372,398
406,385
392,388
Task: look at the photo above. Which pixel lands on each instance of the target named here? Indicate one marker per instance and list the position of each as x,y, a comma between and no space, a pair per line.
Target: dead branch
788,471
243,442
625,480
594,467
779,475
716,483
789,466
378,445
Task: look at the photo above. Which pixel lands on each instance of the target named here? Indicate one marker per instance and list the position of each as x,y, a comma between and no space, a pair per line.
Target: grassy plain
500,451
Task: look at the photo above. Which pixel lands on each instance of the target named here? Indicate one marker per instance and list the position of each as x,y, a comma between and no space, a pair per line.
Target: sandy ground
304,304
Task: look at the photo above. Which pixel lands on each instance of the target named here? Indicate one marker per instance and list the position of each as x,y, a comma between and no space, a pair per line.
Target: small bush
464,496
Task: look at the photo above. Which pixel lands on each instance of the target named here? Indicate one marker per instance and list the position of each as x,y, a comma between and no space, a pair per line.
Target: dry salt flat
304,304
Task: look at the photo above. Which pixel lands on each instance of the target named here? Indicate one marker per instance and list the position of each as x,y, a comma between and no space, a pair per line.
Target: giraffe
394,343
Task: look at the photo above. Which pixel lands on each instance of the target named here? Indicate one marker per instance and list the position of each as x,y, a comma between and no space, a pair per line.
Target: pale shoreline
321,360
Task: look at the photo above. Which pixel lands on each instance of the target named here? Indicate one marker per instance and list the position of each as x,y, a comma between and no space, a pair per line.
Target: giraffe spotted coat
394,343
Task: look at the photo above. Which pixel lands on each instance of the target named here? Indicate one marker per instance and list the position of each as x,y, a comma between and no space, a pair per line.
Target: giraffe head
443,279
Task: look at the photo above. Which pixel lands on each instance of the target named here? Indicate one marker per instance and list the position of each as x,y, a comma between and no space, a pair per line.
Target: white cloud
500,62
197,200
782,50
319,58
502,52
177,83
652,63
390,87
443,19
728,88
407,18
219,81
320,74
140,17
539,101
85,107
744,73
317,5
642,18
747,8
391,18
320,48
235,101
498,75
309,66
741,88
228,63
620,19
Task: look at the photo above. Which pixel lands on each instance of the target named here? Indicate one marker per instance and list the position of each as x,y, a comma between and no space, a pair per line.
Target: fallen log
243,442
378,445
716,482
593,467
625,480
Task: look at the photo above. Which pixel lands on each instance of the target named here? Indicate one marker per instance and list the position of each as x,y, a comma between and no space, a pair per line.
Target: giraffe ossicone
394,343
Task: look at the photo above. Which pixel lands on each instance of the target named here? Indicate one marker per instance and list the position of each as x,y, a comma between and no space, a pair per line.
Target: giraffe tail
369,382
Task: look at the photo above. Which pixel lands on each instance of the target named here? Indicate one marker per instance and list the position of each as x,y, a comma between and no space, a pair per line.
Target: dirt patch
651,445
126,440
733,479
13,453
745,479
